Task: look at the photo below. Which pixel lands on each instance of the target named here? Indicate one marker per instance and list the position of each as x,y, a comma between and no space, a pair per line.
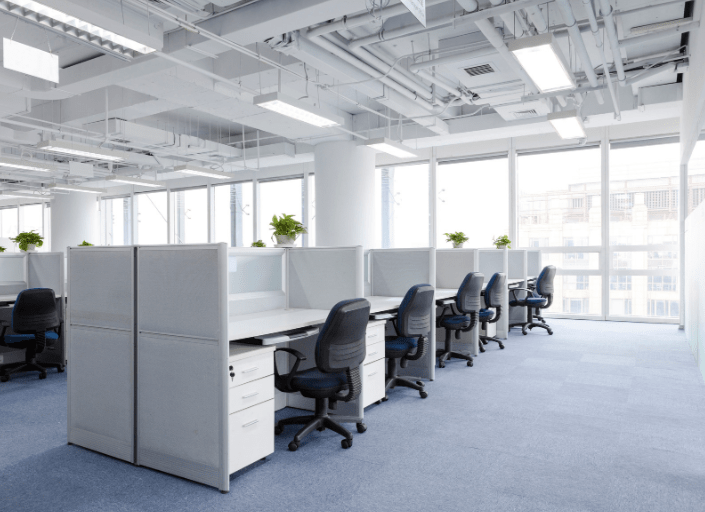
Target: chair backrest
468,299
414,317
35,311
544,283
495,290
342,340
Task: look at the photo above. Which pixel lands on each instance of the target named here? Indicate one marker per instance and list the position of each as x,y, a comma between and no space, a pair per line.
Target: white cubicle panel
319,278
695,284
182,361
256,279
517,264
13,273
533,262
101,349
452,265
492,261
46,270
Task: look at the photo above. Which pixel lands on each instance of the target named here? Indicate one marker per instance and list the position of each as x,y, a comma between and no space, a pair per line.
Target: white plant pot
500,247
458,246
284,241
31,247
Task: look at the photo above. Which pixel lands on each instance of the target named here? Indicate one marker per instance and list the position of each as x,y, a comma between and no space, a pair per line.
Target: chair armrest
283,382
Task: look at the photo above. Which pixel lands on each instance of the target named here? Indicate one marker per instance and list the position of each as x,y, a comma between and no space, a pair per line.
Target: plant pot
31,247
458,246
500,247
285,241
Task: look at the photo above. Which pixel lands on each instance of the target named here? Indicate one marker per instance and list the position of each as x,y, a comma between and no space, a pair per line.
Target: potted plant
2,249
85,244
259,243
502,242
286,230
29,240
458,238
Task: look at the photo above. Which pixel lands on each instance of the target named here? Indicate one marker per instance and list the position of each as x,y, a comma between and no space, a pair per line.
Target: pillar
345,194
74,218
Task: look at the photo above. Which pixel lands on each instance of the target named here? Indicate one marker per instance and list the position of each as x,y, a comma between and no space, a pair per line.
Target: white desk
273,321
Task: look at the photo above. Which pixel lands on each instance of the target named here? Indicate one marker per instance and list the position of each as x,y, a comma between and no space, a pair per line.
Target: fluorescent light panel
76,188
30,61
79,24
84,150
543,61
295,109
9,194
135,181
202,171
390,147
27,165
568,124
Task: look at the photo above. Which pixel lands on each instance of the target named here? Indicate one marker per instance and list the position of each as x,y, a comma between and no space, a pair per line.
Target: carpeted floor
601,416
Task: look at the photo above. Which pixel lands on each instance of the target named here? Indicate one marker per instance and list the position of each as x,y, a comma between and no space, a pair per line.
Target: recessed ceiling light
390,147
27,165
568,124
295,109
202,171
76,149
135,181
75,188
543,61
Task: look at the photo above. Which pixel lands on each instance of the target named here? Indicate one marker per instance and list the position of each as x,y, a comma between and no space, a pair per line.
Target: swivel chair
340,351
494,293
412,326
537,298
35,324
460,317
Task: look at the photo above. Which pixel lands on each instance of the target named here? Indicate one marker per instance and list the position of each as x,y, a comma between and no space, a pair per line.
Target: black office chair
538,297
412,326
460,317
494,294
35,325
340,350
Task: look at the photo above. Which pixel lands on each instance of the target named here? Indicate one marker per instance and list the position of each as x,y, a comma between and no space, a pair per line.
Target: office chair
340,351
412,326
460,317
537,298
494,293
35,325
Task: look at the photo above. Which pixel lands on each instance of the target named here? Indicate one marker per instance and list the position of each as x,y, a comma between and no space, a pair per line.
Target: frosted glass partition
46,270
394,271
533,262
452,265
516,264
13,273
491,261
319,278
256,279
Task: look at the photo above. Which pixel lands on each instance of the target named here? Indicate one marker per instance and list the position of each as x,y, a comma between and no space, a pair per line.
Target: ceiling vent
523,114
479,70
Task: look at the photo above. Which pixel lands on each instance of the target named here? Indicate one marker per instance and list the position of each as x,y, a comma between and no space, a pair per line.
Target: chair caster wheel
378,402
346,443
420,383
42,376
293,446
321,429
524,333
385,399
501,346
61,369
4,378
550,333
441,364
224,492
361,428
423,394
470,363
278,430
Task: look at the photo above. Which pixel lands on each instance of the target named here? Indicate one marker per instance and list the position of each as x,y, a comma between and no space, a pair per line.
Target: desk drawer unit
252,393
251,368
251,434
373,382
374,352
375,332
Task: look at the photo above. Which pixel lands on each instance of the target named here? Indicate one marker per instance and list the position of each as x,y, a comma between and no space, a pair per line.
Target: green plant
259,243
2,249
28,238
457,238
85,244
501,241
286,225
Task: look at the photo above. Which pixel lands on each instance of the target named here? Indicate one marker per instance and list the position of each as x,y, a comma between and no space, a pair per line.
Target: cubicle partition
518,274
13,274
695,284
491,261
533,262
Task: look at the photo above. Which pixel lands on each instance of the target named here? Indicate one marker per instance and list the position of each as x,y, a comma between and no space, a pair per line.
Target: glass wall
402,209
277,198
472,190
116,221
311,210
152,217
233,214
696,177
9,222
190,208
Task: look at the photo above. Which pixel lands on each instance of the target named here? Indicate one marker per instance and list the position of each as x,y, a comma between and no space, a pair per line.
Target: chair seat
456,322
486,314
314,383
529,301
396,347
19,338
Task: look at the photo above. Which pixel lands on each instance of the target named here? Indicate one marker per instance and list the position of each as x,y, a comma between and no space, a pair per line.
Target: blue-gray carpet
601,417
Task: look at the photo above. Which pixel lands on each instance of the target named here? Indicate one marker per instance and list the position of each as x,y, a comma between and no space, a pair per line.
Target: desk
269,322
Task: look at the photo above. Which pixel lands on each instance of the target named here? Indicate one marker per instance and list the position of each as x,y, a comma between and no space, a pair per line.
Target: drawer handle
371,374
251,369
250,423
251,395
371,354
371,335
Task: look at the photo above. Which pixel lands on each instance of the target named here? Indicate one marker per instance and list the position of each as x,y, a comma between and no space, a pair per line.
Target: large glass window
9,222
312,210
32,219
402,206
696,177
190,216
151,218
233,214
277,198
116,220
459,205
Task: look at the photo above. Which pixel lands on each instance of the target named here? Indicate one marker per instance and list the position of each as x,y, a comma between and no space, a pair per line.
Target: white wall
74,218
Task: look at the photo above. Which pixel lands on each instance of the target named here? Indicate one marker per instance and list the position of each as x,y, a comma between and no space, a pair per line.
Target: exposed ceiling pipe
655,36
456,57
388,35
511,24
577,38
601,50
607,14
537,19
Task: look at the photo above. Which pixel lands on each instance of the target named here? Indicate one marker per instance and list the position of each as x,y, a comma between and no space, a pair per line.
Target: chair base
447,353
486,339
318,421
531,322
393,380
27,366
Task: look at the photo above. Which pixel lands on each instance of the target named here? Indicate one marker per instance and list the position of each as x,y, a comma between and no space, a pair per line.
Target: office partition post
490,262
518,269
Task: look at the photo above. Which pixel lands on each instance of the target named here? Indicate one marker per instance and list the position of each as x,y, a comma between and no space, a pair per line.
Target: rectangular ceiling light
390,147
542,59
135,181
30,61
9,194
568,124
202,171
76,149
27,165
295,109
76,23
75,188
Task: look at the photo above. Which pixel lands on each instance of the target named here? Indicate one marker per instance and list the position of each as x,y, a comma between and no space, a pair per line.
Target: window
458,208
402,206
696,177
538,242
277,198
621,307
151,218
662,283
116,220
311,210
582,282
233,214
9,222
190,208
620,282
576,306
663,308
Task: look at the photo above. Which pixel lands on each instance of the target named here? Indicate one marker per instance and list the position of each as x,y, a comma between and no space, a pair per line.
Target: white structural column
345,184
74,218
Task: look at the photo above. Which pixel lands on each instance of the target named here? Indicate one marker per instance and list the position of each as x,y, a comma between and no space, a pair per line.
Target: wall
695,284
74,218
